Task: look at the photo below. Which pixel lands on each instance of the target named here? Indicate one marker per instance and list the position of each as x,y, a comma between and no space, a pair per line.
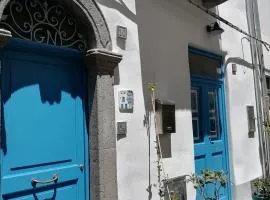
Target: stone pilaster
103,170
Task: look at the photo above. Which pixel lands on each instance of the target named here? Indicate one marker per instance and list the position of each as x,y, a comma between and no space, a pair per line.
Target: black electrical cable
267,45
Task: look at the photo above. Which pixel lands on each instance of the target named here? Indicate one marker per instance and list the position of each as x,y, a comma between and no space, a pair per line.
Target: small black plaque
251,121
122,128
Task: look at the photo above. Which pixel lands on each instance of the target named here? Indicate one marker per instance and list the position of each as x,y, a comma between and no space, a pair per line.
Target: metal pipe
264,147
243,46
214,15
251,27
262,80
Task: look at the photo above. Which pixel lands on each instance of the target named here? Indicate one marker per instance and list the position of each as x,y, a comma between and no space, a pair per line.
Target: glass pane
196,128
213,126
194,100
213,114
212,102
201,65
195,113
267,82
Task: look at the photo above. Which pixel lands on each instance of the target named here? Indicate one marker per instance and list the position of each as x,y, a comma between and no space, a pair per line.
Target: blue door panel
60,191
201,163
43,125
216,160
210,145
47,116
65,174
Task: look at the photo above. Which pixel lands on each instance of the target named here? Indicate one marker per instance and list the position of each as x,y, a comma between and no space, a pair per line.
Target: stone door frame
100,63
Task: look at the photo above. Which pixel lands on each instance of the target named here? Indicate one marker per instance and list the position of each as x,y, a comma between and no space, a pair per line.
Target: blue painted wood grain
44,130
211,153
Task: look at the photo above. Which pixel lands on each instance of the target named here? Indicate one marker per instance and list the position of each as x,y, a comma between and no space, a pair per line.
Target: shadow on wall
228,66
124,10
166,28
238,61
120,7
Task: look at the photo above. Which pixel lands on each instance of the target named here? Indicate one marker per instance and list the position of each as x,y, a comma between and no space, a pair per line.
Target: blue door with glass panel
209,131
43,137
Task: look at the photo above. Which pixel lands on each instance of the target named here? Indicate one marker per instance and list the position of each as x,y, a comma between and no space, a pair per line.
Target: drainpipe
259,81
262,78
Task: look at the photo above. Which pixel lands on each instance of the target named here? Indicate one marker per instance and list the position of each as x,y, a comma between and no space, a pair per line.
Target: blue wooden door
43,136
209,131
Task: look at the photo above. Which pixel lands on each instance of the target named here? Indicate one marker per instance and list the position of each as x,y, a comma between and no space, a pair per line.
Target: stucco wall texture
244,151
156,51
265,29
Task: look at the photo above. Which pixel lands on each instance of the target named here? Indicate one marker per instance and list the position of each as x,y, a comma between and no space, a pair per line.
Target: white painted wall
264,6
156,50
131,151
240,93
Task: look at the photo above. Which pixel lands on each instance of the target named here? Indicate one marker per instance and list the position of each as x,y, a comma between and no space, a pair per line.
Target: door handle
53,180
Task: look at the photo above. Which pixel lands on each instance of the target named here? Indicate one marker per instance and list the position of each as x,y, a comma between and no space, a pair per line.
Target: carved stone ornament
46,8
43,21
102,61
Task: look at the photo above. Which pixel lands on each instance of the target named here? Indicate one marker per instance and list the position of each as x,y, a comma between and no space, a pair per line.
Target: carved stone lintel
5,35
102,61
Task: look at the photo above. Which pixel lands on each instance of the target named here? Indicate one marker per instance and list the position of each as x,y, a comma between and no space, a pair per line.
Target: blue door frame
206,82
16,55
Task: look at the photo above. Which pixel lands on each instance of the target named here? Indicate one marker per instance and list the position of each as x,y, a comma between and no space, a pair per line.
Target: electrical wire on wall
147,124
162,176
265,111
257,50
214,15
256,47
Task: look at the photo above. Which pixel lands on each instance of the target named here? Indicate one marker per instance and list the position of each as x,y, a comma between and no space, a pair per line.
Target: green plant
209,183
174,196
262,188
